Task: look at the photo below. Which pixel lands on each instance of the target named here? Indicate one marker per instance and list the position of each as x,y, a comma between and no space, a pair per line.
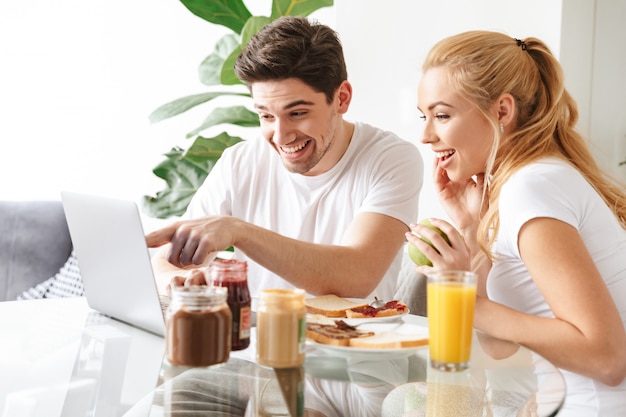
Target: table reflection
504,379
324,386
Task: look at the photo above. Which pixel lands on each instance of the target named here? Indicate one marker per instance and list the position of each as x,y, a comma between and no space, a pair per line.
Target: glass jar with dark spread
198,326
233,274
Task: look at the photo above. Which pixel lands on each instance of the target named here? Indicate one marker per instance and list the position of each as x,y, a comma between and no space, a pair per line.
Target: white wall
78,80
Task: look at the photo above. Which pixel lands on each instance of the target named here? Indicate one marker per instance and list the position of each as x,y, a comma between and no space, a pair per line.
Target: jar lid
283,294
207,293
229,265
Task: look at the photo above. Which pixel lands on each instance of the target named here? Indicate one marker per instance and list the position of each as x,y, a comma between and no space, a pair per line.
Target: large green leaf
230,13
227,72
183,173
211,67
236,115
183,104
297,7
253,25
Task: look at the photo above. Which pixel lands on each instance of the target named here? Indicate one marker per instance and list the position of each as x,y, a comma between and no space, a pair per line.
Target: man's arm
352,269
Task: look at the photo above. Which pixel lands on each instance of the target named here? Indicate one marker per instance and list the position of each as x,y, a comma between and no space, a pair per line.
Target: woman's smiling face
457,132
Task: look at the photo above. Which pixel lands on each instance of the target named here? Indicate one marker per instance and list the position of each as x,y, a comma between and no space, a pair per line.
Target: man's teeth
444,153
294,148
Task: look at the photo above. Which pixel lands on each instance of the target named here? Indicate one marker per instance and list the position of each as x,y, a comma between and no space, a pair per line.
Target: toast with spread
338,334
342,334
391,308
331,305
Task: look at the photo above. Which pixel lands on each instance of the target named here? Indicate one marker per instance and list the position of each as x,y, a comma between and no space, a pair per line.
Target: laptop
114,260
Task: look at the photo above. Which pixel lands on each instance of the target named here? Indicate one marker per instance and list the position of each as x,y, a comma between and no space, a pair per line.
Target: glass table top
63,359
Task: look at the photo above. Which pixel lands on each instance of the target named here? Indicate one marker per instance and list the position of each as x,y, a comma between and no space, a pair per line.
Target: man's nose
283,132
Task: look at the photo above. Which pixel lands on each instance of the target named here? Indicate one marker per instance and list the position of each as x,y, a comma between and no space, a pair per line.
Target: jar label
245,322
302,335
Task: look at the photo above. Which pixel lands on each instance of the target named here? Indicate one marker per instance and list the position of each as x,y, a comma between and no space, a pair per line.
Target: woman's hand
455,255
462,201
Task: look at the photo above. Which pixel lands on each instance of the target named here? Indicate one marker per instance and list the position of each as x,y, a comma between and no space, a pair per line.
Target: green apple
417,255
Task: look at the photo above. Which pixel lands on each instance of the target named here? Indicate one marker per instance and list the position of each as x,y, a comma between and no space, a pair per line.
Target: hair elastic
521,43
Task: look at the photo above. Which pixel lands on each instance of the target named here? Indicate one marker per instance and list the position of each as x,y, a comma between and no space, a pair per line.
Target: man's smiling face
299,123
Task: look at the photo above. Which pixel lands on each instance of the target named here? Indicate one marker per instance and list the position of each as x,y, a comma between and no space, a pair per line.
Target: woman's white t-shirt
553,188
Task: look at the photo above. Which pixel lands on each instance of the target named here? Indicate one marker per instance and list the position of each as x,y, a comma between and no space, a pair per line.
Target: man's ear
344,97
505,107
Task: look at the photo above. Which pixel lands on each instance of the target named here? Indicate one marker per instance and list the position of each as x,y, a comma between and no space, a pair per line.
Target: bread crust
389,340
330,305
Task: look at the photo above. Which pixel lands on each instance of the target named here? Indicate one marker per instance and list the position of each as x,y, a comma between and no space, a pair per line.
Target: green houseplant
184,170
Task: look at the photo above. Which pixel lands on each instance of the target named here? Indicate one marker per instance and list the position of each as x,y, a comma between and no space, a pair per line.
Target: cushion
411,286
34,244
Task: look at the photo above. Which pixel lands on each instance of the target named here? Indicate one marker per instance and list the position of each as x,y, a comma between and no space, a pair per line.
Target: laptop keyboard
165,303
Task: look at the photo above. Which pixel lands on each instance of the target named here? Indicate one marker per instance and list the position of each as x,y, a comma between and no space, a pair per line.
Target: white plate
366,353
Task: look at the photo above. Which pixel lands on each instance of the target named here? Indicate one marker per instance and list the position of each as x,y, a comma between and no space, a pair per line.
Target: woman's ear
506,109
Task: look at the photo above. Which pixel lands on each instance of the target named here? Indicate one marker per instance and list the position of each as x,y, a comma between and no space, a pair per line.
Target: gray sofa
34,243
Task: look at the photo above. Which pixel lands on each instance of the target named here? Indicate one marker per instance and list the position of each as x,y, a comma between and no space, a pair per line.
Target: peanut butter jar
281,328
198,326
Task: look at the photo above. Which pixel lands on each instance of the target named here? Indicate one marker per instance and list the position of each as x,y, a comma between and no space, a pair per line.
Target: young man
317,202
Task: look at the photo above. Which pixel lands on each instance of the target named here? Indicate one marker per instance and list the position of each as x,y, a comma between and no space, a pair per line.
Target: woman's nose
428,134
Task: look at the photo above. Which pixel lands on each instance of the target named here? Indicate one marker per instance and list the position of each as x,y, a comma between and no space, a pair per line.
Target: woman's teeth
444,154
293,149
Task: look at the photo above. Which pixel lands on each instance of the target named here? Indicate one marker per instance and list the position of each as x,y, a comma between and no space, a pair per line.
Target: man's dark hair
293,47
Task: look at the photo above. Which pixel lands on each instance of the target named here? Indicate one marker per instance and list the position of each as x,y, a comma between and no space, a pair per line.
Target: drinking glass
451,297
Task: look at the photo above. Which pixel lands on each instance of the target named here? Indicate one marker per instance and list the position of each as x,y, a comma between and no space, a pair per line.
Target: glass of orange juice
451,296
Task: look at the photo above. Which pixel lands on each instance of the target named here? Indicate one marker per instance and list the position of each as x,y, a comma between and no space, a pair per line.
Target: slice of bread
330,305
389,340
337,335
392,308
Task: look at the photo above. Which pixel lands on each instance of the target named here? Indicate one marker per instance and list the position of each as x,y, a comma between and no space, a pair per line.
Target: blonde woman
536,217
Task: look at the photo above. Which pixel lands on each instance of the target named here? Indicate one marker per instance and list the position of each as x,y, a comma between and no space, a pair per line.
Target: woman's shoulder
546,180
546,171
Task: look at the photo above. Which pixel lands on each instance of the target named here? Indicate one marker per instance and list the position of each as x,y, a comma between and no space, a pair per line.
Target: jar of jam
233,274
281,328
198,326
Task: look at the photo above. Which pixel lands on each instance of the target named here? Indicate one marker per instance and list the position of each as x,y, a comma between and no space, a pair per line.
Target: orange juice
450,305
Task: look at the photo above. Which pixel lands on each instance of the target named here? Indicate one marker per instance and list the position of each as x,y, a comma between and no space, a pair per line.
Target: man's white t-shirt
552,188
379,173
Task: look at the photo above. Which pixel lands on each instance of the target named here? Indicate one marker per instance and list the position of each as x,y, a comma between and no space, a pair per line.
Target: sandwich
342,334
